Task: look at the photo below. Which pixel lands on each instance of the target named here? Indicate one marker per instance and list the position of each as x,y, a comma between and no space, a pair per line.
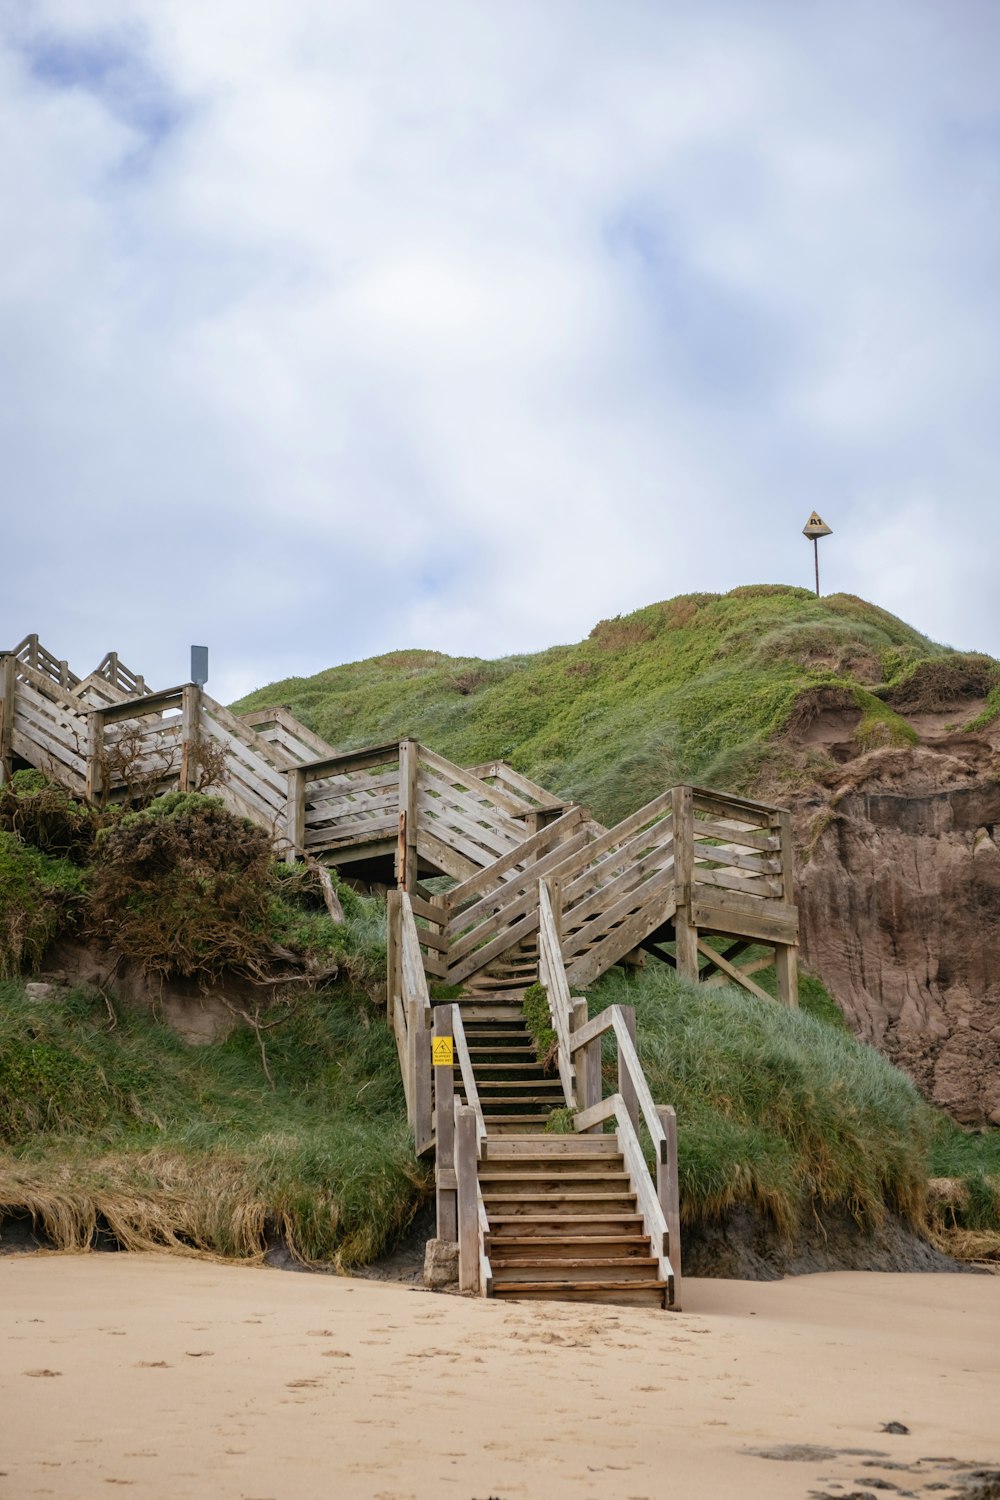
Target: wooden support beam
445,1191
95,748
786,969
190,736
668,1191
295,814
392,962
732,972
626,1087
8,682
408,770
466,1148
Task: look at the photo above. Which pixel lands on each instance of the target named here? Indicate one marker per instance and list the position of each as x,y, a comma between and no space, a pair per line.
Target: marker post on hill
814,529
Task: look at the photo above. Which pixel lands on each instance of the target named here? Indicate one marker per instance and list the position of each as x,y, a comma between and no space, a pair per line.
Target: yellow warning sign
443,1051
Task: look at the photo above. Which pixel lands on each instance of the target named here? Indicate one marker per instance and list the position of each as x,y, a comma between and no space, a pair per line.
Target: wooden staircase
497,884
565,1222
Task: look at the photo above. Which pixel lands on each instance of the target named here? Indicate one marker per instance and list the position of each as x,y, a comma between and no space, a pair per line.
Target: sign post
814,529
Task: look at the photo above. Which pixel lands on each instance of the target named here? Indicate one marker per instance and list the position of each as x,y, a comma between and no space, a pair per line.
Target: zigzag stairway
492,883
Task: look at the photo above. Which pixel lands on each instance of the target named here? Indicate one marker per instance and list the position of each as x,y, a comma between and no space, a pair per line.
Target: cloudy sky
333,326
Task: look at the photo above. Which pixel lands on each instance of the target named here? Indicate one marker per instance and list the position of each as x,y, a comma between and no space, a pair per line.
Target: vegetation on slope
697,688
109,1121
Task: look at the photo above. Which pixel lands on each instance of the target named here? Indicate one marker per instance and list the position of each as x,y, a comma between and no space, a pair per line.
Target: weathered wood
732,833
443,858
769,890
736,859
7,687
668,1192
467,1192
786,970
553,976
756,919
519,882
444,1115
589,1121
491,795
514,782
626,1084
467,1073
583,970
295,813
738,976
392,957
726,805
352,760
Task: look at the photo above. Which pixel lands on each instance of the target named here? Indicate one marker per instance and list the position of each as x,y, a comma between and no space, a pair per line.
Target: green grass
697,688
115,1117
39,897
777,1110
971,1159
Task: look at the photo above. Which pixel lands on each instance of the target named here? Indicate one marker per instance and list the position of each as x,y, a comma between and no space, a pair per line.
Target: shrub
39,898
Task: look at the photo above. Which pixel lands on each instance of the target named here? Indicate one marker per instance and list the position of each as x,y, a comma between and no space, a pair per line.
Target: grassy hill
697,688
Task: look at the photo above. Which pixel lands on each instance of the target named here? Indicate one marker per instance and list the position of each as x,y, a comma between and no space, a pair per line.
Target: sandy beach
182,1378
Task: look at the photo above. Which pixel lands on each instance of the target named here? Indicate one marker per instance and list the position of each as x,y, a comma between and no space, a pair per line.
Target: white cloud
328,328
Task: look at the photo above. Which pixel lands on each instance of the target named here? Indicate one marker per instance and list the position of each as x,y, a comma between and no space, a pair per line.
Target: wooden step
531,1160
650,1293
553,1182
597,1268
517,1086
544,1168
552,1225
557,1246
539,1145
561,1205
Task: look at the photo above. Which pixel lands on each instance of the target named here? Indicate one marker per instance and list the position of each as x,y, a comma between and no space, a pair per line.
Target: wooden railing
659,1203
552,975
409,1007
460,1134
31,653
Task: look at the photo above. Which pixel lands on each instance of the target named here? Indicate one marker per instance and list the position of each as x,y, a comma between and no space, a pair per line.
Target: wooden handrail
469,1085
633,1095
414,1014
552,975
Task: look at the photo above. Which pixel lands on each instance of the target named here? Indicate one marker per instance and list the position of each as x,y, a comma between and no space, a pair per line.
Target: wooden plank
596,1114
445,1179
28,734
329,836
738,976
440,788
345,805
393,919
513,781
553,976
521,880
440,857
752,884
603,923
786,970
668,1192
482,957
351,760
632,880
732,833
49,763
787,857
653,1220
328,787
470,1088
145,706
468,1208
738,915
8,681
626,1085
590,966
441,813
493,796
736,859
709,799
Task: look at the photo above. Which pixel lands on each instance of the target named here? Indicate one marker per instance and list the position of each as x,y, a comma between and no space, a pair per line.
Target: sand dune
179,1378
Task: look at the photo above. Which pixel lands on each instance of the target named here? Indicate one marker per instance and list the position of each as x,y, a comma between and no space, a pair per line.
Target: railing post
190,733
95,747
685,932
8,681
577,1018
392,985
468,1207
406,874
785,954
626,1087
668,1190
295,813
420,1075
445,1182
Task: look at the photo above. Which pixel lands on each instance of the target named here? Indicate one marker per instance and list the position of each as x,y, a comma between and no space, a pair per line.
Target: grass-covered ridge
700,687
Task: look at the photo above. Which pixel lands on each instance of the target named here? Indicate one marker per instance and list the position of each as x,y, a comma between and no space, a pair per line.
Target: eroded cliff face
899,892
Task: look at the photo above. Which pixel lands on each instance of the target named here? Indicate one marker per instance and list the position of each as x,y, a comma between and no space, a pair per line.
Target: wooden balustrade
659,1204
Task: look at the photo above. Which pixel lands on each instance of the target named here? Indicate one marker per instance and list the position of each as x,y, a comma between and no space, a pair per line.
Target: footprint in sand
42,1374
336,1354
152,1364
321,1333
295,1385
199,1353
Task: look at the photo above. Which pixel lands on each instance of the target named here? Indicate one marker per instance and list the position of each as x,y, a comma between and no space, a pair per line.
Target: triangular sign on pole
815,527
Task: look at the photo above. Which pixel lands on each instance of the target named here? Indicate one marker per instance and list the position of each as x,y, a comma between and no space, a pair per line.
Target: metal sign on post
199,665
814,528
